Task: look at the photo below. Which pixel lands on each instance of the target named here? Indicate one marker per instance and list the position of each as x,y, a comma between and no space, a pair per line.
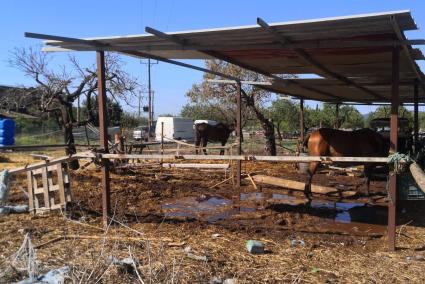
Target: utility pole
140,98
150,101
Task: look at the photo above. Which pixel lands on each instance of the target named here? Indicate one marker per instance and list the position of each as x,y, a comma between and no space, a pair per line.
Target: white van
177,128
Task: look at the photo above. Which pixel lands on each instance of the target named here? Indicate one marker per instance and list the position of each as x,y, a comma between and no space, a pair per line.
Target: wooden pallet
48,188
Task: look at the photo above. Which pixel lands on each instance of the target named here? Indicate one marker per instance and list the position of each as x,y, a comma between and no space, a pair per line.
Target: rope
399,162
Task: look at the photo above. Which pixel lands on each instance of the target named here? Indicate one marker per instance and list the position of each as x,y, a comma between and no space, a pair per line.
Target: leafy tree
199,111
132,120
385,112
312,117
114,110
285,116
349,117
421,119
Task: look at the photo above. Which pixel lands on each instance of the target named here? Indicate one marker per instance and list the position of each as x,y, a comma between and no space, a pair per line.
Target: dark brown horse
212,133
338,143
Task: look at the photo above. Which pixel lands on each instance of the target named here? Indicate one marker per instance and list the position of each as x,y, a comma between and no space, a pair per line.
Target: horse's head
231,127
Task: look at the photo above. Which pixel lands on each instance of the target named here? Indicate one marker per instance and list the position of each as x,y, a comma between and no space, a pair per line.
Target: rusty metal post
336,116
239,134
162,137
393,148
302,128
416,117
103,135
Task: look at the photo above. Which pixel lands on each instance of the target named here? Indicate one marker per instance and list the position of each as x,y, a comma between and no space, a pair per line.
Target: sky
89,18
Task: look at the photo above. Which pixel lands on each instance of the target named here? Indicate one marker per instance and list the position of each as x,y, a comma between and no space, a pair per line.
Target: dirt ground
179,227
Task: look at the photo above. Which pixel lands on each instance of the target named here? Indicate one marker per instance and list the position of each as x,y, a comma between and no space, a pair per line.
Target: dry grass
157,244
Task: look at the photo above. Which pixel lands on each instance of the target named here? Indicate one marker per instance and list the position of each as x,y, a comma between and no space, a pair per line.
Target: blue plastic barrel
7,132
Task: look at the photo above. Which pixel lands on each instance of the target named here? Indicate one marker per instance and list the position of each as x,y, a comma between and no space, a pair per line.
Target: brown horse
212,133
338,143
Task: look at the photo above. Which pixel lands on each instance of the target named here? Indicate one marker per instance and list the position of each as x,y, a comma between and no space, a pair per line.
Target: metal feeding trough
408,189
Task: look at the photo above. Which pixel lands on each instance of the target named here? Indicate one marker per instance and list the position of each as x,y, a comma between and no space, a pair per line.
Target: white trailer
177,128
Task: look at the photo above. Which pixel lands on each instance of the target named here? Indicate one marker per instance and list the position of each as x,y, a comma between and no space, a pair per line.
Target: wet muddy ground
162,214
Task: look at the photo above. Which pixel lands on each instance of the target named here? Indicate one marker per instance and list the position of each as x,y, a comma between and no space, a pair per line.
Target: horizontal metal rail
285,159
289,159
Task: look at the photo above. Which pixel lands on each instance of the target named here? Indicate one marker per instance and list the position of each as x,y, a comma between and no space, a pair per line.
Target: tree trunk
270,137
70,148
279,134
266,124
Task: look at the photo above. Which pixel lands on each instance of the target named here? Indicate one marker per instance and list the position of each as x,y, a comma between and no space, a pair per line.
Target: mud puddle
205,208
347,217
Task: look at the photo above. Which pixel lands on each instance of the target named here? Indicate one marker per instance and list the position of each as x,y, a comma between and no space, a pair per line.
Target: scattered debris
255,247
217,280
297,242
55,276
189,254
4,186
417,257
14,209
197,257
4,194
23,262
125,265
176,244
215,236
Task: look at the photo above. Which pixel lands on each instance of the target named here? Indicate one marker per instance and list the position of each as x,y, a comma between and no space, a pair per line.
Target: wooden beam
40,165
103,135
296,185
313,62
419,175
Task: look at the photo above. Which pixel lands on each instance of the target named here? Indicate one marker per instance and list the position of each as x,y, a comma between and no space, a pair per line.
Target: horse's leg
311,171
368,173
223,143
204,144
197,142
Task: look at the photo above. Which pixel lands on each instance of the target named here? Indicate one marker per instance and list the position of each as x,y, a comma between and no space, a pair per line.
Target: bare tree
58,88
223,97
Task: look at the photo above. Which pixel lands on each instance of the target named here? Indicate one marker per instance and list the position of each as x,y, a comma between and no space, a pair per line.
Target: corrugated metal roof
345,45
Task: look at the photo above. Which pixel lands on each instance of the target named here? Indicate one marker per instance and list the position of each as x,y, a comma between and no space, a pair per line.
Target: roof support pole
239,133
337,116
393,148
103,135
302,128
416,116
